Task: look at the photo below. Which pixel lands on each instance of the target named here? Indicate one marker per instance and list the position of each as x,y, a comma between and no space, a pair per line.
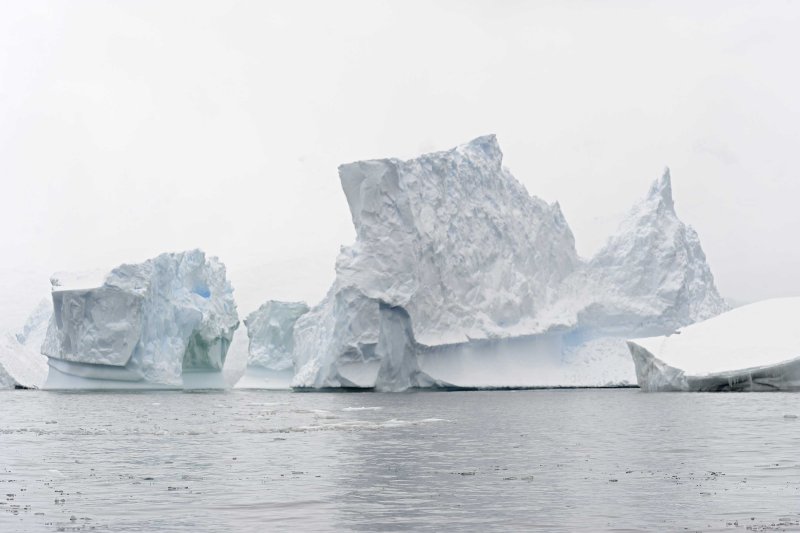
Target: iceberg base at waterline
270,344
554,359
63,375
751,348
537,361
255,377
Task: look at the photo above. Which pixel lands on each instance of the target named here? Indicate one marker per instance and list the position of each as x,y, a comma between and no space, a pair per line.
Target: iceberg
755,347
652,275
460,278
270,330
35,328
20,366
163,323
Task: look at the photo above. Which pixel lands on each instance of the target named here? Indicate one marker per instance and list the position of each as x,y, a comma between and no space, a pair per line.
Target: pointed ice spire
662,190
558,214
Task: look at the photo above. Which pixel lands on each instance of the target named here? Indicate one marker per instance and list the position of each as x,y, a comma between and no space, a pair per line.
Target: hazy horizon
130,129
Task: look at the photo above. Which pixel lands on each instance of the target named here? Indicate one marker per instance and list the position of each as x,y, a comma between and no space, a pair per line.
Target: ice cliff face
152,322
455,240
270,330
454,261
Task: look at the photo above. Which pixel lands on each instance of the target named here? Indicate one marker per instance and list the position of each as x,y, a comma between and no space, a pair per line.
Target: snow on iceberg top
756,335
456,240
74,281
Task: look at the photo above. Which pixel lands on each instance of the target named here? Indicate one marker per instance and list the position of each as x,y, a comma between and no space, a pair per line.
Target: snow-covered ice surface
458,277
755,347
167,322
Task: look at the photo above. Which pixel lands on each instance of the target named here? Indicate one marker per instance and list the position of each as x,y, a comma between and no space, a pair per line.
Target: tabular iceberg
459,277
164,323
270,330
751,348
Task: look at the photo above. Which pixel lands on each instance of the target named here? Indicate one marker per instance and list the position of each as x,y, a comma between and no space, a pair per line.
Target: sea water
253,461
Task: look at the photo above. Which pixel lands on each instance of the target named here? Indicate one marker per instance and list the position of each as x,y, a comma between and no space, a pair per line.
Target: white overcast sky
132,128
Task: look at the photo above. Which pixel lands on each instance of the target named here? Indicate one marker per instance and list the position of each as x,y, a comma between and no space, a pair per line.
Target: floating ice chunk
20,366
751,348
270,330
21,363
166,322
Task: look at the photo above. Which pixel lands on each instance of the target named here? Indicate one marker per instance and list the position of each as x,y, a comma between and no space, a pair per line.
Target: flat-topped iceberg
164,323
751,348
458,277
270,330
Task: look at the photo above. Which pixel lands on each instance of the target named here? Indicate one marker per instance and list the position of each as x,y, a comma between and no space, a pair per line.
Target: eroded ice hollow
755,347
164,323
460,278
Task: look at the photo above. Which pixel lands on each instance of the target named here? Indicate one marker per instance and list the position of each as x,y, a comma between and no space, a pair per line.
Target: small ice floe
752,348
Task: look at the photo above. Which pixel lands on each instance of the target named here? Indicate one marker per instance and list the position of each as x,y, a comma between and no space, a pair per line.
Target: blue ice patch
202,291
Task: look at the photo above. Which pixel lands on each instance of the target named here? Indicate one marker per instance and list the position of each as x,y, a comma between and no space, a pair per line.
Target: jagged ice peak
661,190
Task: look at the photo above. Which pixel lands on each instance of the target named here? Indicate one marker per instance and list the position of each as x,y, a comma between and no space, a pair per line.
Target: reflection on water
559,460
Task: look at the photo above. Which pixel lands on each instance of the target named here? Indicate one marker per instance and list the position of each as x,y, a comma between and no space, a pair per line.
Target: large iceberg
270,330
164,323
751,348
458,277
